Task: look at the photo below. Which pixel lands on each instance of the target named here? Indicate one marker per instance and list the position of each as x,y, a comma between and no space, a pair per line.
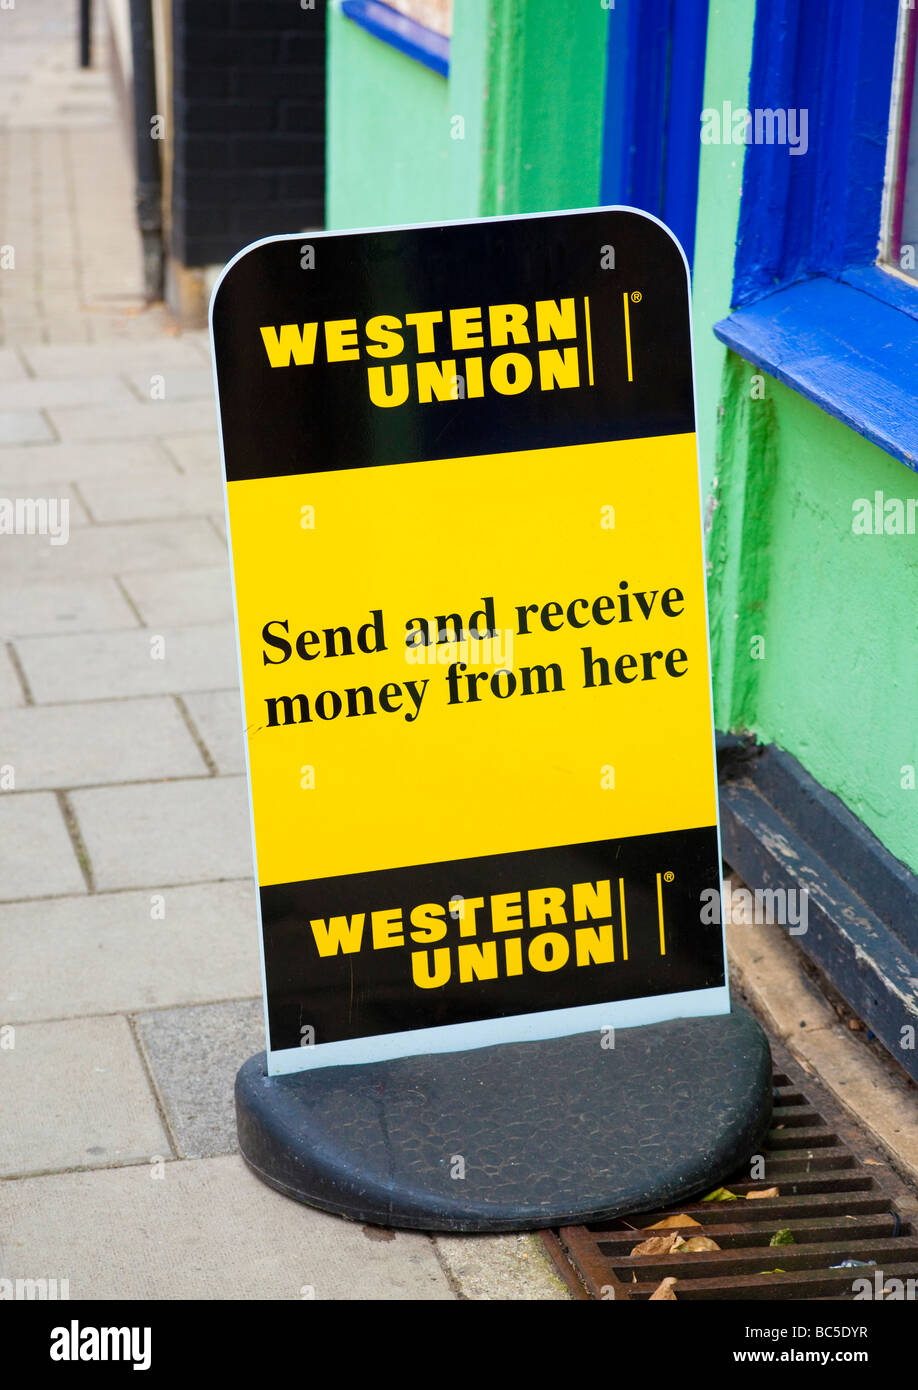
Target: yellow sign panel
415,745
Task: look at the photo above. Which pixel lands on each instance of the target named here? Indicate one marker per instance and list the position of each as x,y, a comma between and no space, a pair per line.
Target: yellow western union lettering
594,945
558,368
592,900
290,343
341,934
555,319
477,962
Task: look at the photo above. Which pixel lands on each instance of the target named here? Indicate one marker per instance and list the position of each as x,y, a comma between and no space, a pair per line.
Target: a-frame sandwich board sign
465,525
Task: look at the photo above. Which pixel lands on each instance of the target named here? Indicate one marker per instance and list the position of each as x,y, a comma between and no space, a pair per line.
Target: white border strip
464,1037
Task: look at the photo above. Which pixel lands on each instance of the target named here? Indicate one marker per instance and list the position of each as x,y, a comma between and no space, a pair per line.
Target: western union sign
463,503
426,334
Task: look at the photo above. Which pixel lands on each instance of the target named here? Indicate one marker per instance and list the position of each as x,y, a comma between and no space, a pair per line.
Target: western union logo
491,336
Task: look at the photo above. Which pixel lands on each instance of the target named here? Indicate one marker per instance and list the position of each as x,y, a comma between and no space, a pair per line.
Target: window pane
434,14
900,240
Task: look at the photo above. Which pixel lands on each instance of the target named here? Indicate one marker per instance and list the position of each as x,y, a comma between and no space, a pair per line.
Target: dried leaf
664,1290
695,1244
783,1237
670,1221
763,1192
655,1245
721,1194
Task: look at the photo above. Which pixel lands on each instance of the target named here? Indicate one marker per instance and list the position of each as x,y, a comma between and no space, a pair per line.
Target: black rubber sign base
517,1136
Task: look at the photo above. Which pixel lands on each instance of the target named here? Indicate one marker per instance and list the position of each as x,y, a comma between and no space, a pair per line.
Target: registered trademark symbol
669,876
636,296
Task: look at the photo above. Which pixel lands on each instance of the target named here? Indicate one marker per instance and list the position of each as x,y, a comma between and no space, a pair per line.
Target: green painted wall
517,126
391,155
546,86
812,626
834,681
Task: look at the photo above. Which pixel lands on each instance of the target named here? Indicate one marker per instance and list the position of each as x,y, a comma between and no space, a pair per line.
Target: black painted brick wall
249,123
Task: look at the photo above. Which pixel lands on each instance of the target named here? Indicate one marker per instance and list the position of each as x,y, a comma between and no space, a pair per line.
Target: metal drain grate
839,1199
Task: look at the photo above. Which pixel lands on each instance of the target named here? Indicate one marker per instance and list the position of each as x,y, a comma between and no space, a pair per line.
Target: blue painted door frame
654,96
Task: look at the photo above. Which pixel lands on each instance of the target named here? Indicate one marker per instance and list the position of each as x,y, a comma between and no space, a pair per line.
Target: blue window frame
654,96
407,35
812,307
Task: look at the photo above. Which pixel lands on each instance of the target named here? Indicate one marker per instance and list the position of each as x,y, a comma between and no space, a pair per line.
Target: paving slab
155,354
207,1229
126,421
82,745
34,393
11,366
42,462
217,716
501,1268
46,99
174,598
156,834
123,952
136,545
76,1096
96,665
11,691
152,493
86,605
195,451
27,334
173,383
56,489
24,427
37,858
17,312
193,1055
137,326
199,339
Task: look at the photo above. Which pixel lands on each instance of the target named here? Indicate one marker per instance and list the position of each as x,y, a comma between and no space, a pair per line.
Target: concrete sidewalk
130,986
